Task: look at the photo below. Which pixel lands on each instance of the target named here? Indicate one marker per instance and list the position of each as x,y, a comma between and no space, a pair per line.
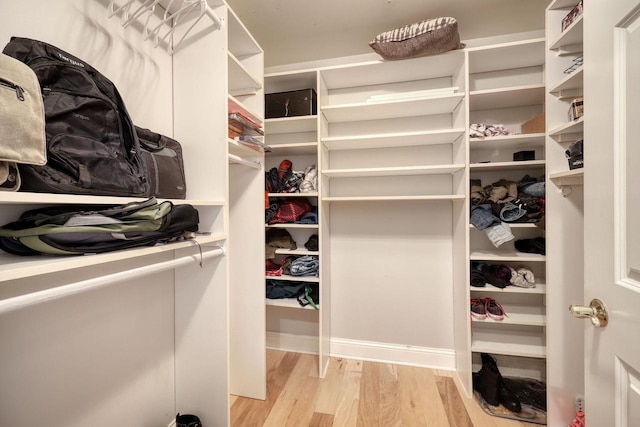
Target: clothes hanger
204,10
172,19
113,9
146,6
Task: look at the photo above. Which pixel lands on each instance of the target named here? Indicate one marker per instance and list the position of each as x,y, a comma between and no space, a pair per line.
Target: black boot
489,383
508,399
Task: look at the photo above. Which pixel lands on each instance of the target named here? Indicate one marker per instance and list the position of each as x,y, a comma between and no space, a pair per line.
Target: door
612,207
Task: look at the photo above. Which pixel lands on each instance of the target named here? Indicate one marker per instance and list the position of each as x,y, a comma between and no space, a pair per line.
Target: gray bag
22,131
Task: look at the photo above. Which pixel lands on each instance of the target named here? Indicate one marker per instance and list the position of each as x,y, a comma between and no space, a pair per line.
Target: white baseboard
291,342
435,358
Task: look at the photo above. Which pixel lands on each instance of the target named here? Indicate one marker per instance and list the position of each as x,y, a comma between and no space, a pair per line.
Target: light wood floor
359,394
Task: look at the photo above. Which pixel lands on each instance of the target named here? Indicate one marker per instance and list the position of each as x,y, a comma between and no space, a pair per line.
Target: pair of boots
489,383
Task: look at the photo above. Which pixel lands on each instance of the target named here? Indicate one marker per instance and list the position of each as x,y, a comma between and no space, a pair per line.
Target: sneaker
478,308
493,309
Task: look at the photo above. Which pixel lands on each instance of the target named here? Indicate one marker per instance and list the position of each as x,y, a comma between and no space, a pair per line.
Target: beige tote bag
22,131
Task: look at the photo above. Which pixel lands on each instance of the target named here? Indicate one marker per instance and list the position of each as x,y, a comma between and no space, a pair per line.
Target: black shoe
487,381
508,399
187,420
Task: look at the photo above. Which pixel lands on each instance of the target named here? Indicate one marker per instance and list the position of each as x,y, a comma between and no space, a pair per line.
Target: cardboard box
289,104
535,125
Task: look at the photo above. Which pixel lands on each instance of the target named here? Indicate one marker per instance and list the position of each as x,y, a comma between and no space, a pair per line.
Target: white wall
102,358
392,273
141,73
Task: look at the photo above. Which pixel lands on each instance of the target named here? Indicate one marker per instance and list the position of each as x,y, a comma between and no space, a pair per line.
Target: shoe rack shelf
519,315
518,341
507,86
539,288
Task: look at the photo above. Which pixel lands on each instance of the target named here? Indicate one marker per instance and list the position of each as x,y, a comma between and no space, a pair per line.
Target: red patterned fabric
291,210
272,268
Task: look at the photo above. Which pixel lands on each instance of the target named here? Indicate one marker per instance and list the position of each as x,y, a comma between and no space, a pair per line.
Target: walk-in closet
358,216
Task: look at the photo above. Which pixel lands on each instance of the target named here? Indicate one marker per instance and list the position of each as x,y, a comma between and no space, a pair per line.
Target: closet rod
239,160
22,301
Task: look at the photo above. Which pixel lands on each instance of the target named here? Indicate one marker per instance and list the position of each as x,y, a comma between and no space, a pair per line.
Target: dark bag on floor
92,147
163,164
88,229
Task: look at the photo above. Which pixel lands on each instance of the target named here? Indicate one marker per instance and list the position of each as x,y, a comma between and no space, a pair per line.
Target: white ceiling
293,31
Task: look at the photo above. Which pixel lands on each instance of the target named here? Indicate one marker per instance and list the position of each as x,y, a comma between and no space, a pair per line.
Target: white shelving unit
245,96
296,139
506,86
394,176
565,209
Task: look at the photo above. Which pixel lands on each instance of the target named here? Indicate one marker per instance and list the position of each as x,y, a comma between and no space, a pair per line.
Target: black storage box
575,155
289,104
524,155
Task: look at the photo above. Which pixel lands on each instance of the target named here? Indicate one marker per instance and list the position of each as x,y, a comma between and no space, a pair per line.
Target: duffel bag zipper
18,89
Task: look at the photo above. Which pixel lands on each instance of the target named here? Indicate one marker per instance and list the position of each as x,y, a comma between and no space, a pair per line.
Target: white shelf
297,251
242,150
570,177
507,166
241,81
512,55
393,198
516,318
568,86
562,4
514,342
288,303
529,140
297,124
24,198
399,139
294,149
570,37
309,279
241,42
290,80
393,171
392,109
505,255
234,104
539,289
291,225
381,72
568,132
516,96
18,267
514,225
287,195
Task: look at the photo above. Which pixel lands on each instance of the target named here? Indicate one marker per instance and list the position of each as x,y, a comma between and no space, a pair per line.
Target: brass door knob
596,311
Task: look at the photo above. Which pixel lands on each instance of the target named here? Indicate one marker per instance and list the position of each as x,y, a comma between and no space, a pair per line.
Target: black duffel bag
163,164
92,147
